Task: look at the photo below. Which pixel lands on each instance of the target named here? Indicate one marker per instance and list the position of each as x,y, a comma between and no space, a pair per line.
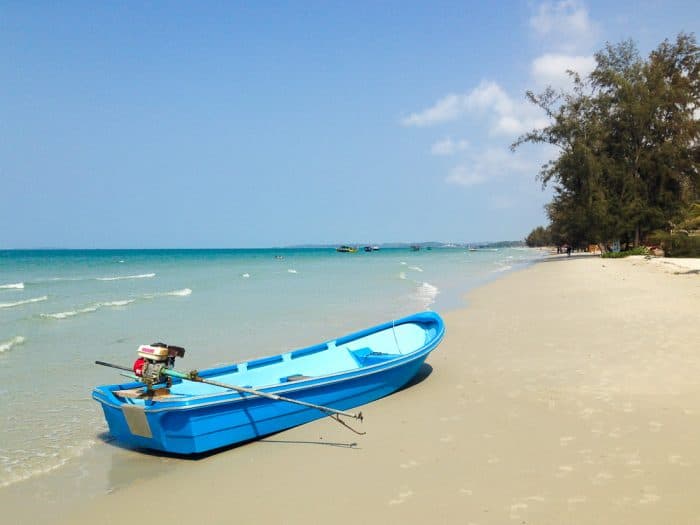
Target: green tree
540,236
629,143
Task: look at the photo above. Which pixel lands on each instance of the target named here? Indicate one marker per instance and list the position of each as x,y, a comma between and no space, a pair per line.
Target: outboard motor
153,359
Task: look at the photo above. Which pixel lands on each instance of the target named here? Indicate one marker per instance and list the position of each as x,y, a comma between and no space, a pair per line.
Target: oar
193,376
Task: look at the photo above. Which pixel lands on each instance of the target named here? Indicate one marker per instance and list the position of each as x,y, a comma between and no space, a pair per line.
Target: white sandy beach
565,393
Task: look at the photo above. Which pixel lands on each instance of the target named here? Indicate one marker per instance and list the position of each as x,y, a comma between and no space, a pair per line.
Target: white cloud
444,110
564,24
505,116
550,69
448,146
463,175
455,106
490,164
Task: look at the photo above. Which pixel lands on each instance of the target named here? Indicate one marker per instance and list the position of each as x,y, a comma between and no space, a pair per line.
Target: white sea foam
291,270
58,459
427,293
503,268
14,286
123,277
245,275
415,268
6,346
177,293
26,301
88,309
402,275
118,303
71,313
180,293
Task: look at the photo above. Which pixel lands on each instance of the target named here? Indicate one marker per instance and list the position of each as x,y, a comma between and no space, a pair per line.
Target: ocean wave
175,293
55,461
180,293
14,286
88,309
26,301
427,293
415,268
118,303
503,268
291,270
6,346
245,275
123,277
402,275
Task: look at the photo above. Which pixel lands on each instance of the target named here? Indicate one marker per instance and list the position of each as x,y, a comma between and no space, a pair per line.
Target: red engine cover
138,366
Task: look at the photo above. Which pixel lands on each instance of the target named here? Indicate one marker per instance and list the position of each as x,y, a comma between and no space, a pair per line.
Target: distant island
422,245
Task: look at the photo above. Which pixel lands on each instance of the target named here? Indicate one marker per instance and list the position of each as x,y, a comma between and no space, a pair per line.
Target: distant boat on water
371,248
346,249
415,248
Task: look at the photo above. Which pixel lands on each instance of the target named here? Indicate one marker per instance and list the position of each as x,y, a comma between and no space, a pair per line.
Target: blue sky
231,124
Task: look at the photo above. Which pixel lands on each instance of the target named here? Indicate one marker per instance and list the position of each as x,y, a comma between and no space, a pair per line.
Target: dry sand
565,393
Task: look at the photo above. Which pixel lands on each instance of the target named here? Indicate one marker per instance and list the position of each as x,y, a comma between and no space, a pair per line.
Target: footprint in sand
409,464
601,477
403,496
677,459
521,505
574,500
649,498
564,470
565,440
586,413
655,426
515,509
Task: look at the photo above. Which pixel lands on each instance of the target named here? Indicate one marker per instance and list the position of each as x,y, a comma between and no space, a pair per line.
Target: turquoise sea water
62,310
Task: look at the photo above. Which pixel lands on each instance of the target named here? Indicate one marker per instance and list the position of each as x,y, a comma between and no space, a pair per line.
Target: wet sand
565,393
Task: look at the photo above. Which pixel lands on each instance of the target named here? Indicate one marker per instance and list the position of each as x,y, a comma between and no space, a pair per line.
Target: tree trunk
636,235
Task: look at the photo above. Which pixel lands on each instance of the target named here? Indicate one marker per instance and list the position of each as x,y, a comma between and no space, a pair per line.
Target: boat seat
367,357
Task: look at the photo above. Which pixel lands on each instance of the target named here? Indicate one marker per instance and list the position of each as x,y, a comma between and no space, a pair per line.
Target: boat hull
204,423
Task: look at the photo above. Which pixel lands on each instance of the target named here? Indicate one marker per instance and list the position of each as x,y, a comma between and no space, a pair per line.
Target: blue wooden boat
194,416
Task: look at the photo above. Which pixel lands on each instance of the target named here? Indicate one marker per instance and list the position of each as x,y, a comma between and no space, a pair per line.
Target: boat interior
347,353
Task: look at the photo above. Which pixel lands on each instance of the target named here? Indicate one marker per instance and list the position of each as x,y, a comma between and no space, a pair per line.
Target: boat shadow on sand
423,372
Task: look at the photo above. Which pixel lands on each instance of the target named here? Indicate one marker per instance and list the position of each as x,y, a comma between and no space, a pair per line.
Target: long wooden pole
193,376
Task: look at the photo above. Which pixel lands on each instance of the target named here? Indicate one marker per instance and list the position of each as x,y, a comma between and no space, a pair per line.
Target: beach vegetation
539,237
639,250
628,141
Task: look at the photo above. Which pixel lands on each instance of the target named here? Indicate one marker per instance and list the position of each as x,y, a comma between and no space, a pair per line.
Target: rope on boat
396,339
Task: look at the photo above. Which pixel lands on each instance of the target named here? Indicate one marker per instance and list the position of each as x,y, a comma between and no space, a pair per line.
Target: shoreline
564,392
